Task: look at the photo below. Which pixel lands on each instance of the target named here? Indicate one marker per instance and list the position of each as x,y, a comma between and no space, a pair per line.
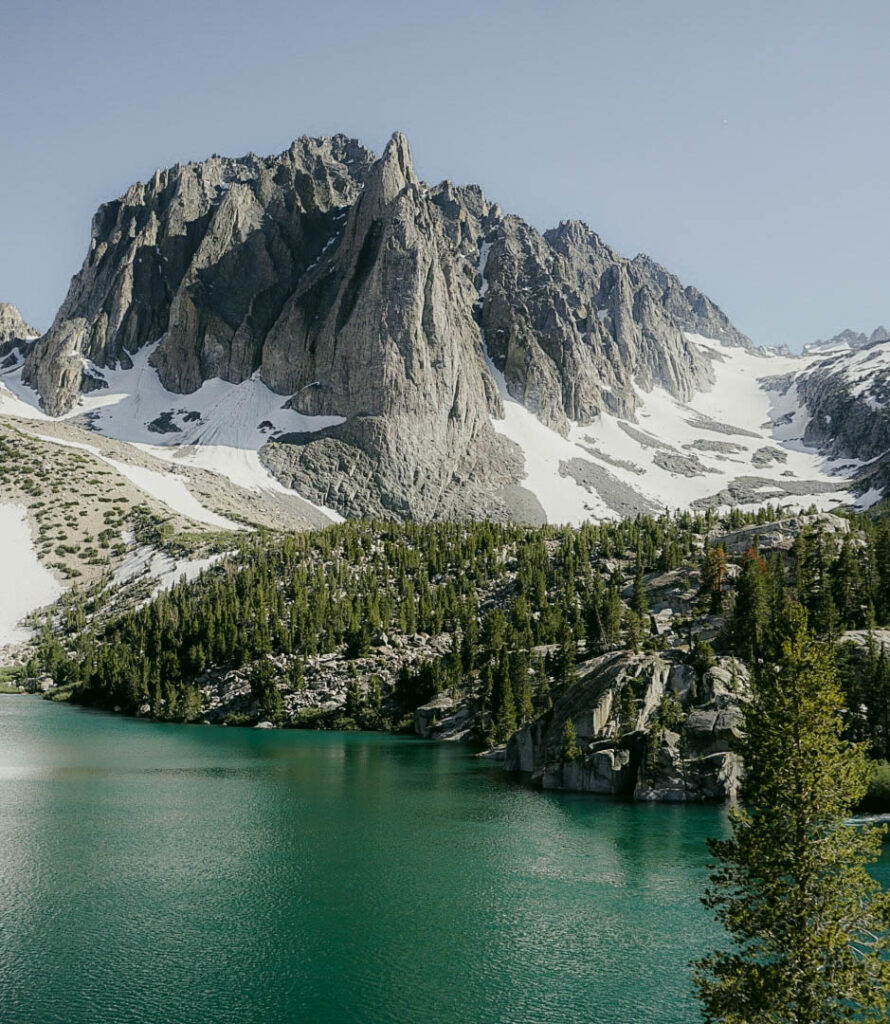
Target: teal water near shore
162,874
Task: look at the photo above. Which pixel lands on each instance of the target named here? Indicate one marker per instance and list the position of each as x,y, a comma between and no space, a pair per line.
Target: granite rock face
572,325
649,727
780,535
847,396
847,421
355,290
204,256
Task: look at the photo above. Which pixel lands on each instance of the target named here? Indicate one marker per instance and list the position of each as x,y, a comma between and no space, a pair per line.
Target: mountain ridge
464,363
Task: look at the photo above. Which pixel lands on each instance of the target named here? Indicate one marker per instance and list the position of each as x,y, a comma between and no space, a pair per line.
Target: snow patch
870,497
27,584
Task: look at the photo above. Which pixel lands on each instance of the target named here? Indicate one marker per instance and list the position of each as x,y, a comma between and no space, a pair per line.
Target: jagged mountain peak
397,157
847,340
451,349
13,326
576,232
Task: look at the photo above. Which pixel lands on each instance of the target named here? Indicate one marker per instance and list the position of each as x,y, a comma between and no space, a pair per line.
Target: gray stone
12,327
781,534
695,759
428,716
767,455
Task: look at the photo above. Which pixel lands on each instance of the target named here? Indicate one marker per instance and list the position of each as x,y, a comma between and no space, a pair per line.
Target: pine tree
191,703
714,578
264,690
494,628
638,602
543,696
521,685
297,674
568,654
375,694
633,630
354,697
627,709
570,749
610,615
848,589
807,921
506,717
878,701
750,618
593,620
503,700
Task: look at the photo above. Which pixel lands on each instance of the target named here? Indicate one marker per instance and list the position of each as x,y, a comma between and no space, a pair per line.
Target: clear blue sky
743,145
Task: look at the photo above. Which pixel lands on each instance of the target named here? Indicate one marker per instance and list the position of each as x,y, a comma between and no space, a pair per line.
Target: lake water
166,874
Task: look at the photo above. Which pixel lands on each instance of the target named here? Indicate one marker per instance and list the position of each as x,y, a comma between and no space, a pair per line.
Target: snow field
25,583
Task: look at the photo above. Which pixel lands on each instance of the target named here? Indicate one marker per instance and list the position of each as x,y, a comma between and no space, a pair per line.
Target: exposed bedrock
649,727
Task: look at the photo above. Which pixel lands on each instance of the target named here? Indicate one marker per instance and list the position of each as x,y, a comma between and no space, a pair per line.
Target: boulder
779,536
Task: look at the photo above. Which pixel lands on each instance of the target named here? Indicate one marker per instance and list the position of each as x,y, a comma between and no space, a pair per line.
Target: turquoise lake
166,874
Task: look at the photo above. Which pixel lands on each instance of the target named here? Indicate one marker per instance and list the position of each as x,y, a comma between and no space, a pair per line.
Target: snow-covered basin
219,428
25,583
736,400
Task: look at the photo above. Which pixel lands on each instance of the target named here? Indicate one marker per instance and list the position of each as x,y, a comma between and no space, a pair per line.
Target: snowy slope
220,428
866,371
26,584
738,444
168,488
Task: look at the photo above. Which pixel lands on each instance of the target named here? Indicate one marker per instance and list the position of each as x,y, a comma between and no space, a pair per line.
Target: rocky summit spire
395,168
387,179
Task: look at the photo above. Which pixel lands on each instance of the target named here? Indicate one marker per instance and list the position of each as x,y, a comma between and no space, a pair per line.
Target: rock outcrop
355,290
12,326
204,256
847,396
572,325
850,413
648,726
16,337
781,534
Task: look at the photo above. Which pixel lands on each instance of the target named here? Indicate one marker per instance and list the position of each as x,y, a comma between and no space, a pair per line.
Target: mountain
385,347
15,334
847,398
846,340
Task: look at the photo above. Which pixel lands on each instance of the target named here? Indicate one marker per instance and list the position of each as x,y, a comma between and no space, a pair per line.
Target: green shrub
238,719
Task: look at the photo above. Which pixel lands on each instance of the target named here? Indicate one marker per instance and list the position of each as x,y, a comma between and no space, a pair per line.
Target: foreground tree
808,923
